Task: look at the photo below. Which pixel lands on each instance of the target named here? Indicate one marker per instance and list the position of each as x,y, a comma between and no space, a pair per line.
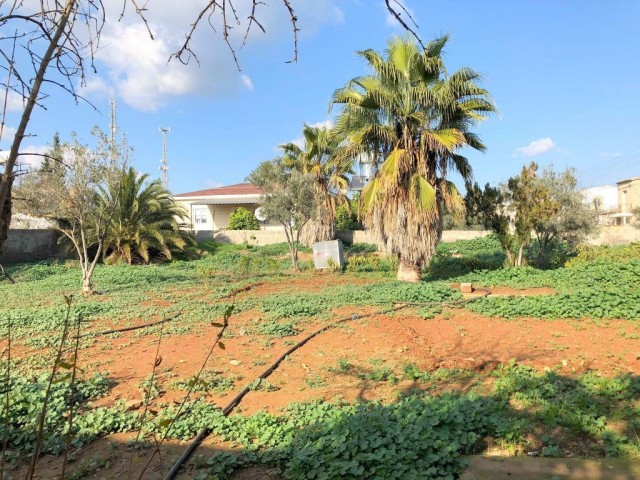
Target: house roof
628,180
237,189
231,200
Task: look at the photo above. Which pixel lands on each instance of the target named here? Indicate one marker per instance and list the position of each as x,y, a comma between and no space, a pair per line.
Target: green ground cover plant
424,436
524,410
26,396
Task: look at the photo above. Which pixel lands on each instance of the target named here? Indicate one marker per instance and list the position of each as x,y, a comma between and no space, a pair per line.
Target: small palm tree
145,223
318,158
414,118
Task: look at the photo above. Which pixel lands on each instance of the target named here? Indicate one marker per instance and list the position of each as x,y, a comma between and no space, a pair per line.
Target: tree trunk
5,217
87,284
520,251
294,257
511,260
7,177
408,272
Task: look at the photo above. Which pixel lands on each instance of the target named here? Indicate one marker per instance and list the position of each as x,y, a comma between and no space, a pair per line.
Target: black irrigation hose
128,329
204,433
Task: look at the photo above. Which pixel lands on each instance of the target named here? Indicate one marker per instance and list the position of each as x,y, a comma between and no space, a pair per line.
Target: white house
606,197
209,209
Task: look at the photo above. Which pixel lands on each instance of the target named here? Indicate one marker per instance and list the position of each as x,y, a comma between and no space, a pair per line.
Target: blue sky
564,75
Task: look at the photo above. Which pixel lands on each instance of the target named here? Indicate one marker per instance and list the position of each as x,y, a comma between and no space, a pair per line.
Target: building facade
209,210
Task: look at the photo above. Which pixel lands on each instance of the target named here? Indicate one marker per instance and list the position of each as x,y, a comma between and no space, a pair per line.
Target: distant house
209,209
628,200
616,202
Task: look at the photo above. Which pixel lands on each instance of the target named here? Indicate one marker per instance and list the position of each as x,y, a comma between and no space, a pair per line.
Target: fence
24,245
266,237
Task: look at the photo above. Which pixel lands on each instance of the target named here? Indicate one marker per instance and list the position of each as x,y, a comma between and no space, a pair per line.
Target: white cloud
138,70
325,124
30,156
536,147
7,134
246,81
212,184
611,154
300,140
15,102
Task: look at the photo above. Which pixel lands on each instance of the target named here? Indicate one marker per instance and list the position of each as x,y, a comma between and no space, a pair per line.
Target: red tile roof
237,189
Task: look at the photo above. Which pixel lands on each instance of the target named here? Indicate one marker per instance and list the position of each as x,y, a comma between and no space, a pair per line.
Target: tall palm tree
413,117
318,158
145,222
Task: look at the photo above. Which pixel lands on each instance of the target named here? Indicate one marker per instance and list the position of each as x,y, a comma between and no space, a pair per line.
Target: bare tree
55,41
72,197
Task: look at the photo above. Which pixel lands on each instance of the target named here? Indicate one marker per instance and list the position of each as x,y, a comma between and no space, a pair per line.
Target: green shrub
617,253
243,219
26,398
356,248
346,220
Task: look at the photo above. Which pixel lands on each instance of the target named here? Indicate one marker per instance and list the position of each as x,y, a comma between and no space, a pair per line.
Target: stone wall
266,237
616,235
24,245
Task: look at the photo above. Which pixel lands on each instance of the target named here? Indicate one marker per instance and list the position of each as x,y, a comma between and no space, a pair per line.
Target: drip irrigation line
128,329
204,433
235,401
238,290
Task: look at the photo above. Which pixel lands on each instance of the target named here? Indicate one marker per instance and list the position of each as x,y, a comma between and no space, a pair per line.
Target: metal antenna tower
164,163
114,124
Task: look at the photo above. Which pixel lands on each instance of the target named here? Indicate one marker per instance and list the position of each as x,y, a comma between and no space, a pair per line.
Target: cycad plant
413,117
146,221
318,158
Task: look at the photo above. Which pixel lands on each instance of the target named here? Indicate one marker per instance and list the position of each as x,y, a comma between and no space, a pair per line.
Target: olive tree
73,197
290,199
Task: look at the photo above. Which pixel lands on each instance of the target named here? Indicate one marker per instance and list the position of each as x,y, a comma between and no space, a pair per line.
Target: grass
516,407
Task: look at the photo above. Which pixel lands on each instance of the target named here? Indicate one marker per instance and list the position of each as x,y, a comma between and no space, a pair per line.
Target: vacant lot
548,364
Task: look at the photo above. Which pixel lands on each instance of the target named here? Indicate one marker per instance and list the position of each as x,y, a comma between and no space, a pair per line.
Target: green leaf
422,192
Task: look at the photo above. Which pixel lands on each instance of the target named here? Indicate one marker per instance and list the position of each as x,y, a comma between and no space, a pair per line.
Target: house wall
628,198
217,216
632,200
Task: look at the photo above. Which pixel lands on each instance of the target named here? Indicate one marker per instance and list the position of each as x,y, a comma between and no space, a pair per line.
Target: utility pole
164,163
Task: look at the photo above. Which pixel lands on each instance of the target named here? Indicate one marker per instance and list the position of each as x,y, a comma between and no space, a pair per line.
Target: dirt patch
362,359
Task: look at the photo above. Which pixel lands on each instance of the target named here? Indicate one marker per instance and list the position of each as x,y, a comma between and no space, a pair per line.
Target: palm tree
414,118
145,222
318,158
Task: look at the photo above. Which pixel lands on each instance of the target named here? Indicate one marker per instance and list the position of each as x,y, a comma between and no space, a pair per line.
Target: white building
606,197
209,209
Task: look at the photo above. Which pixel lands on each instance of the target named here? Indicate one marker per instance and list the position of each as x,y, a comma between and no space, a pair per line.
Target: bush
346,220
618,253
243,219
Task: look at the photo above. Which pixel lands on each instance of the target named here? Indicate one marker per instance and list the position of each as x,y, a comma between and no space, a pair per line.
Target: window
199,215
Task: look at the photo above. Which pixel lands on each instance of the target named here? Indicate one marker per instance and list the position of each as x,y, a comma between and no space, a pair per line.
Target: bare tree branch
398,16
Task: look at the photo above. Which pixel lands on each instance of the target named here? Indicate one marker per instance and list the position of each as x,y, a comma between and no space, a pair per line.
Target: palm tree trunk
408,272
322,228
